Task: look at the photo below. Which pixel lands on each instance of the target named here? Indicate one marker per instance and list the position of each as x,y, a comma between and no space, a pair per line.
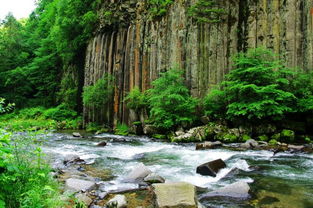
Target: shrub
136,100
24,176
170,102
158,8
31,113
4,107
121,129
60,113
257,89
98,94
207,11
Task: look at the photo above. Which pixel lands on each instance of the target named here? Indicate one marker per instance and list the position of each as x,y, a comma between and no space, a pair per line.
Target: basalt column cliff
137,51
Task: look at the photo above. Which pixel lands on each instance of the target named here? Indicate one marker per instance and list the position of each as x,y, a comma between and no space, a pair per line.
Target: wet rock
83,198
150,129
211,168
154,178
119,201
102,195
72,159
296,147
251,143
208,145
194,134
102,144
238,190
76,134
138,173
75,185
174,195
232,173
205,119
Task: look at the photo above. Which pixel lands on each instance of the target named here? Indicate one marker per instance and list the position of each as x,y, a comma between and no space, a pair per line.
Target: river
281,180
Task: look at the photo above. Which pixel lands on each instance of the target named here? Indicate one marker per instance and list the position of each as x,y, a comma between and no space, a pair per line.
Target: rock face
119,201
236,190
137,51
211,168
75,185
154,178
139,173
208,145
175,195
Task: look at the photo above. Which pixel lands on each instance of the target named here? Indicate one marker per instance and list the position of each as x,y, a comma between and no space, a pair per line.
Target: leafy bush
98,94
121,129
24,177
5,107
60,113
31,113
170,102
136,100
207,11
255,90
158,8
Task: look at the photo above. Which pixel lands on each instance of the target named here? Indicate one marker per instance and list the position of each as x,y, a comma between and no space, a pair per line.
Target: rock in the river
194,134
150,129
208,145
296,147
175,195
75,185
154,178
238,190
83,198
211,168
119,201
138,173
102,144
76,134
251,143
72,159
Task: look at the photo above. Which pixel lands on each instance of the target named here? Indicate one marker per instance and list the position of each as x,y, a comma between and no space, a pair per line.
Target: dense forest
70,66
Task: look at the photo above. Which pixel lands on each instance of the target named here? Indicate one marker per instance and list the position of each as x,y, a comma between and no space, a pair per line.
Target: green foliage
246,138
24,179
98,94
214,103
5,107
287,135
60,113
121,129
136,100
255,90
207,11
158,8
273,142
170,102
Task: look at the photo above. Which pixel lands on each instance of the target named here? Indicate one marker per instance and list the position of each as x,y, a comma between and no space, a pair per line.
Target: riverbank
286,172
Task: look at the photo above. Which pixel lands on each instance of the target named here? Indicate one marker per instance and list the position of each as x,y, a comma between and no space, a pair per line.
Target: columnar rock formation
135,54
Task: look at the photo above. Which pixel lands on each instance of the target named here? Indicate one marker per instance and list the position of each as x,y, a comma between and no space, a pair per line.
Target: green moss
245,138
287,135
263,138
159,136
226,137
273,142
276,137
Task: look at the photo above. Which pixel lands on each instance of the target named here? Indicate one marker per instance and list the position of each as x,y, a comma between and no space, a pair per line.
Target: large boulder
154,178
208,145
138,173
251,143
175,195
211,168
194,134
119,201
239,190
75,185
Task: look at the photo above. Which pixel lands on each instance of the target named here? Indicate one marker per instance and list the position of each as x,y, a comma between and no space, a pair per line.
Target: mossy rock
159,136
263,138
245,138
273,142
276,137
226,137
287,135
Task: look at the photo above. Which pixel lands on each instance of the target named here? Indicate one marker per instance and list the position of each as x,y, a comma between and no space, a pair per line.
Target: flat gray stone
73,184
235,190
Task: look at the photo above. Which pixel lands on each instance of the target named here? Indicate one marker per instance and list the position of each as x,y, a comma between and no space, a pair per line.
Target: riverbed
280,180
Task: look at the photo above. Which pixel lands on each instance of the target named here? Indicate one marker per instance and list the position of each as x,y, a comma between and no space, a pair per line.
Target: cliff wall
136,52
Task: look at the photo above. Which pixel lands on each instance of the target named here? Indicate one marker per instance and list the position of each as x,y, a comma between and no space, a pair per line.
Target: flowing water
284,180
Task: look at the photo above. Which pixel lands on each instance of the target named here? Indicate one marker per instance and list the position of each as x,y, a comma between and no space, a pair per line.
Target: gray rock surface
75,185
138,173
235,190
154,178
211,168
119,201
175,195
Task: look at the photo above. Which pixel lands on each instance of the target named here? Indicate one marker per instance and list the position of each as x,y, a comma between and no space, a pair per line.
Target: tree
170,102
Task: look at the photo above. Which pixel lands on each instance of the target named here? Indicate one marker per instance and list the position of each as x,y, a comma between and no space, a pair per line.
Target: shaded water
283,180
